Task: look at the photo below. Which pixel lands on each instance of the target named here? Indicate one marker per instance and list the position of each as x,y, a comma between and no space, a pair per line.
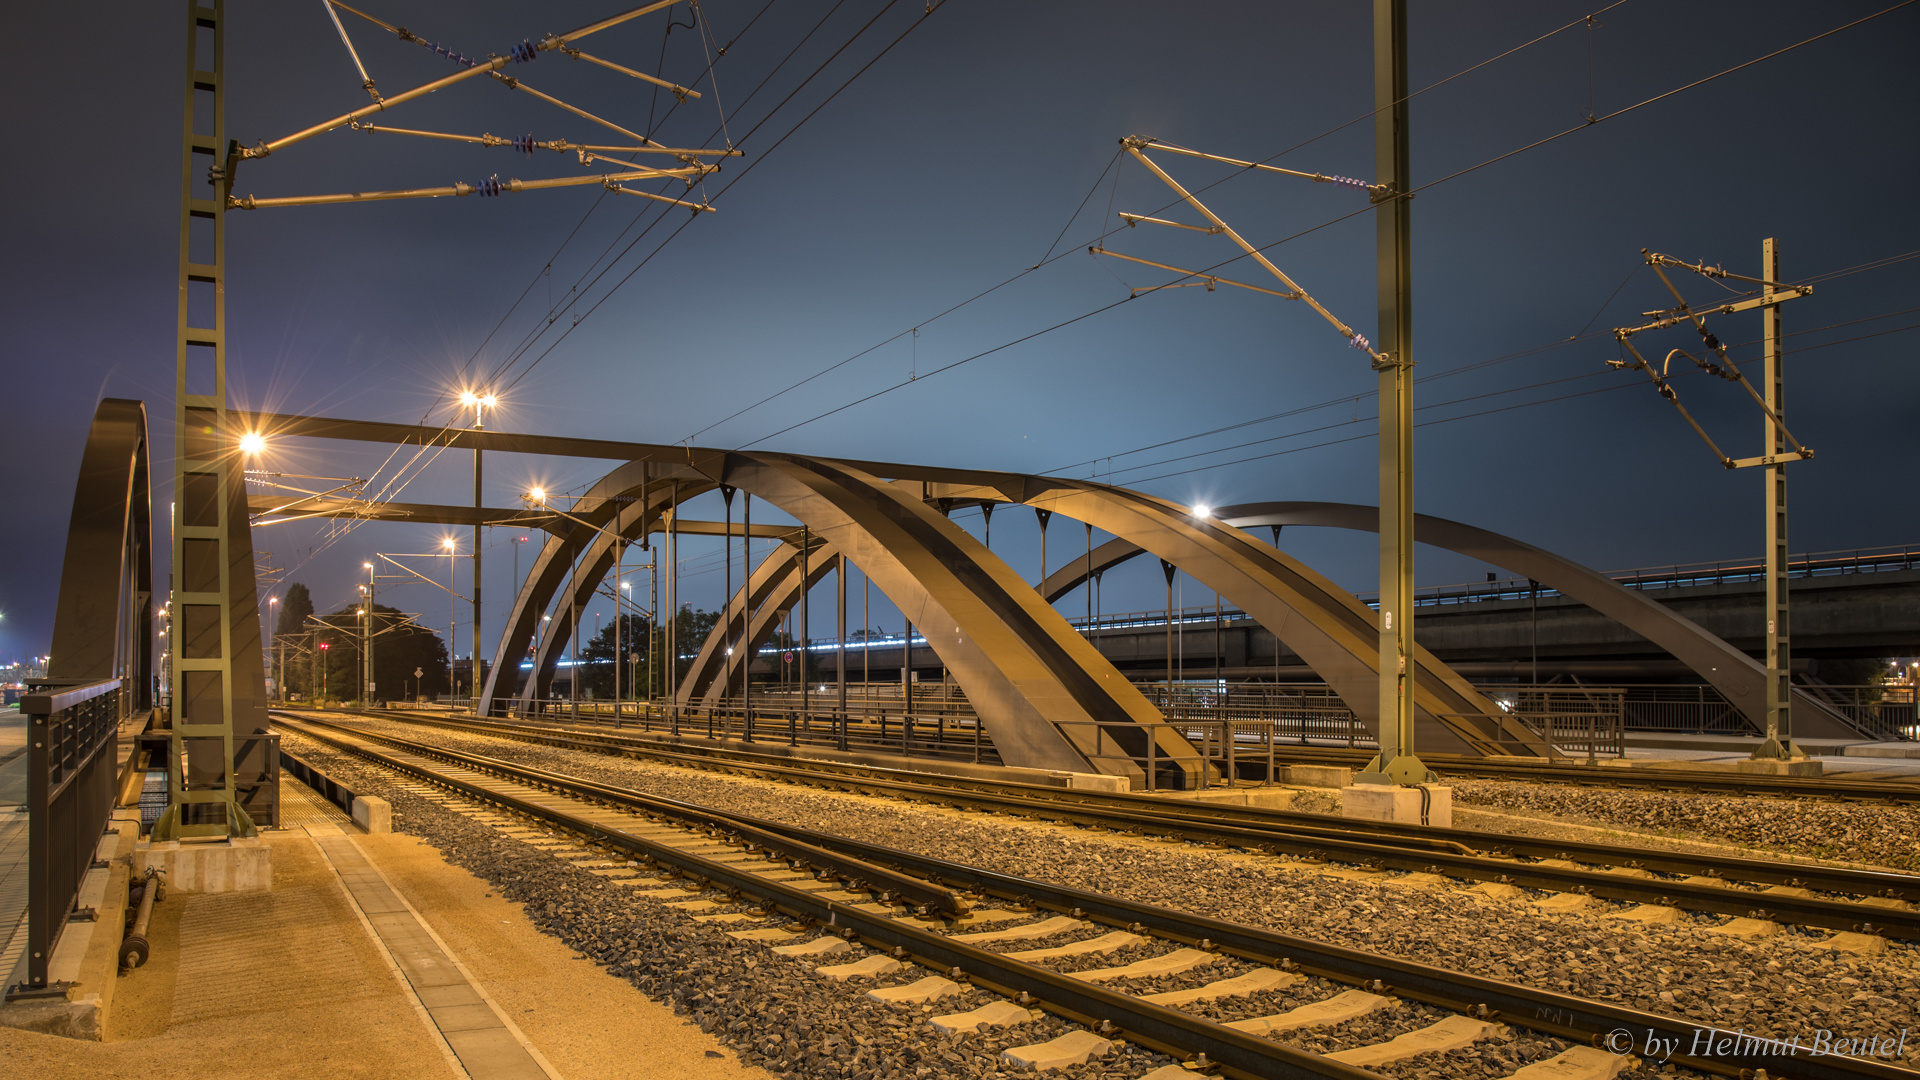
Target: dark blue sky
950,166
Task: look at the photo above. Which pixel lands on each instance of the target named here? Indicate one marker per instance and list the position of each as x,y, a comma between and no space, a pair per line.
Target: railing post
1233,772
976,739
1153,747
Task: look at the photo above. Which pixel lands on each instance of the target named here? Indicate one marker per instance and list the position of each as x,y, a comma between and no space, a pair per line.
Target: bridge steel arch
628,502
1737,676
1035,682
1332,630
103,623
1328,627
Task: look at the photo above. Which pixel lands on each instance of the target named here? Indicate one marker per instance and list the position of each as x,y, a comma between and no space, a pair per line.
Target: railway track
1834,898
1894,789
962,925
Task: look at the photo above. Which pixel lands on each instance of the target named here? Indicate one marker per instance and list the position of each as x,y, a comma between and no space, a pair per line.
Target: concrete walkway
318,977
1893,760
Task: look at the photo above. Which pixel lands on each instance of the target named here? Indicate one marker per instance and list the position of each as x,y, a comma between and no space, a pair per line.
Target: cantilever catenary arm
681,92
559,145
1353,336
515,84
366,80
484,188
1318,178
1208,279
485,67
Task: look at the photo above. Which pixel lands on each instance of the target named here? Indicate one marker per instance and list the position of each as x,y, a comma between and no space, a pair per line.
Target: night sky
947,168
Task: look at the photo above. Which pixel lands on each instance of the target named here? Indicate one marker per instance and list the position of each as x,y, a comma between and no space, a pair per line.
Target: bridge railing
952,734
72,735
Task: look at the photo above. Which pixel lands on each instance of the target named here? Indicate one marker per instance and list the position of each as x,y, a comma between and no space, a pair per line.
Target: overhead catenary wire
1049,257
1343,217
736,178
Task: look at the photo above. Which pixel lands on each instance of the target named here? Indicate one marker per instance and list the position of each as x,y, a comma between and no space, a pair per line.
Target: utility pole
366,638
217,676
1778,448
1397,762
1779,744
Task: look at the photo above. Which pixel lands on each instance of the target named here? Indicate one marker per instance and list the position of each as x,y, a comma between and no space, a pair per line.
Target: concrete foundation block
1854,944
1252,982
1073,1048
916,993
1337,1009
1427,804
373,814
244,864
824,945
1081,781
871,967
1649,915
1453,1033
1578,1063
1776,767
992,1015
1747,928
1327,776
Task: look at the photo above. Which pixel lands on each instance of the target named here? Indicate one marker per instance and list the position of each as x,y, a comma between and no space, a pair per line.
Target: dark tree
290,633
399,648
691,626
598,659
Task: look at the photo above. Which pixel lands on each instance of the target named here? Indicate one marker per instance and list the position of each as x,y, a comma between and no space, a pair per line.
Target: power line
736,179
1344,217
1049,257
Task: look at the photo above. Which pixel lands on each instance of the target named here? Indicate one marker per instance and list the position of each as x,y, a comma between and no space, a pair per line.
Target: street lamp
479,401
280,676
449,545
366,632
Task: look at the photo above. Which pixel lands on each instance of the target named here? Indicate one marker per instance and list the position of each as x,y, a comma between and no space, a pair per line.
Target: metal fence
72,733
862,727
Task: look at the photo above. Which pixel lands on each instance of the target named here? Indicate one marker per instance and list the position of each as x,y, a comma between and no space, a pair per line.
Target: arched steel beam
614,504
1738,677
1035,683
1325,625
1105,557
715,671
103,623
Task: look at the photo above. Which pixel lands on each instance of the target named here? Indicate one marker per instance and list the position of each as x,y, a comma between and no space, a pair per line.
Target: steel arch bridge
1036,683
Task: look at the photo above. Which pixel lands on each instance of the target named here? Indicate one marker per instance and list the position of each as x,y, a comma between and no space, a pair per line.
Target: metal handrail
71,734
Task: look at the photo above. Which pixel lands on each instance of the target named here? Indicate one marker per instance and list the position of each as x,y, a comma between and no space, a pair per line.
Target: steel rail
912,889
1332,846
1238,1055
1462,841
1899,792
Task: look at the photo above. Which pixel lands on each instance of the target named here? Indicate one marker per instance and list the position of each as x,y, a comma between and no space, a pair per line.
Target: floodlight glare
252,443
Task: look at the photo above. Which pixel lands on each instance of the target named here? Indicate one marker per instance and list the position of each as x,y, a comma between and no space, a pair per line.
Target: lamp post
273,605
368,654
452,548
479,403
